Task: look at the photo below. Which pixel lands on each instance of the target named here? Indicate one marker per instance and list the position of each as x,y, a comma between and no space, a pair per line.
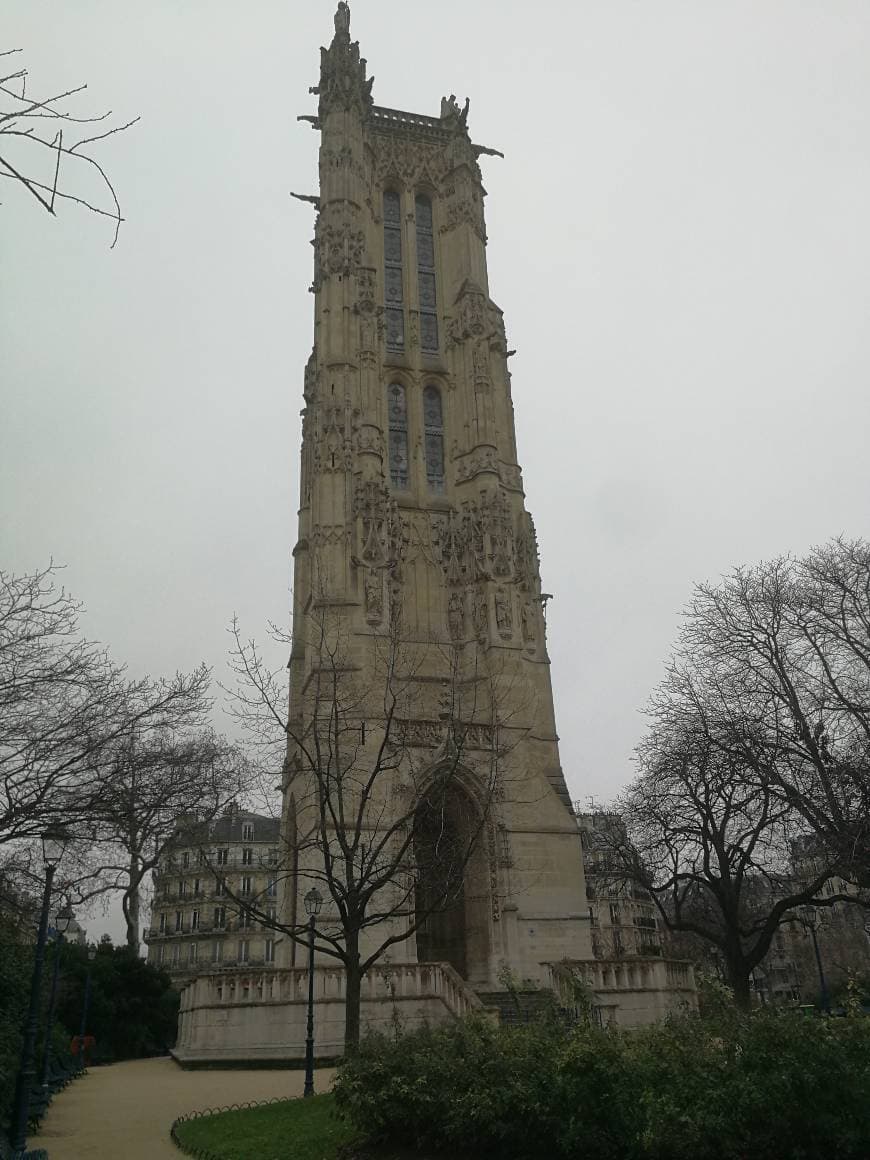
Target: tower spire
343,82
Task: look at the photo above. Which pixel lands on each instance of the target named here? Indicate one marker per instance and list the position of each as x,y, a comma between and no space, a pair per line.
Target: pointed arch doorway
452,895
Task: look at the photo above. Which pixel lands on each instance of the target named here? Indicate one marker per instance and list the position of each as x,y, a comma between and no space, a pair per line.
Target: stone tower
412,520
419,643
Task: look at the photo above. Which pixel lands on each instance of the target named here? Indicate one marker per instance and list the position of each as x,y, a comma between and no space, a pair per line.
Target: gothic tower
412,519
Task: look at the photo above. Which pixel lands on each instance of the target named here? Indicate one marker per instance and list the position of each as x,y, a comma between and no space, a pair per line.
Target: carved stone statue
481,616
527,619
503,614
456,615
342,20
374,595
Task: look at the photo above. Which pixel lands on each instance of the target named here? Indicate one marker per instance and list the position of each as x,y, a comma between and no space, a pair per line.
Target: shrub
729,1088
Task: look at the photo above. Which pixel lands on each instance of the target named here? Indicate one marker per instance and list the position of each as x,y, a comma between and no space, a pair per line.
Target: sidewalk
124,1111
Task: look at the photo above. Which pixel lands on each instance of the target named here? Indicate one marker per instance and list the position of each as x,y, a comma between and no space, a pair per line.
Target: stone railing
631,990
240,985
417,123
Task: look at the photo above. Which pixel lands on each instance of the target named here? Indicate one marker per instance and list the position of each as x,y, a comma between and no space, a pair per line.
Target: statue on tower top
343,82
342,20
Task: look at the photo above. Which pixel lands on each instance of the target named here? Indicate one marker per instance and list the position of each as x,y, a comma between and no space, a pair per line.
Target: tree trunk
738,980
130,905
353,989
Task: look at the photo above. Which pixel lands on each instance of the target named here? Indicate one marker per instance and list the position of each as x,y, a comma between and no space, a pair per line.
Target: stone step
522,1006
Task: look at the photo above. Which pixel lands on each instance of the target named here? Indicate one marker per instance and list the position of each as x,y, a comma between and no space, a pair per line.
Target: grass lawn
291,1130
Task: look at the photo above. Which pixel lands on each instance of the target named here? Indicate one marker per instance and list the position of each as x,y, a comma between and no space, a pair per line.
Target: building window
246,885
176,955
195,886
269,950
244,950
426,274
247,856
394,314
162,927
200,858
273,857
185,859
221,888
397,410
182,889
220,917
161,952
272,914
433,430
272,888
245,920
192,952
194,920
217,950
248,832
222,857
179,919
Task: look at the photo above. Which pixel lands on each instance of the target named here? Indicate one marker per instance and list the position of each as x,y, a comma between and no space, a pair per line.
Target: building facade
199,920
624,919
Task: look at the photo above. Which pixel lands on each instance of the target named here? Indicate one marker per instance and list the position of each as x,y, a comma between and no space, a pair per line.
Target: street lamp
62,921
313,903
92,954
53,846
809,919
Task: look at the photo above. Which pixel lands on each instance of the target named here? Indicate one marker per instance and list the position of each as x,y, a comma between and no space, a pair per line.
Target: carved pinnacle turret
343,82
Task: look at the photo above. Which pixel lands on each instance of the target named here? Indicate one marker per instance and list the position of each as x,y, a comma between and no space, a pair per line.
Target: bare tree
64,708
773,664
712,847
41,141
153,787
386,821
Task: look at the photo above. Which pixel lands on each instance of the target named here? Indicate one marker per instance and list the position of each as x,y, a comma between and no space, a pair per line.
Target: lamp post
809,920
92,954
53,846
62,920
313,903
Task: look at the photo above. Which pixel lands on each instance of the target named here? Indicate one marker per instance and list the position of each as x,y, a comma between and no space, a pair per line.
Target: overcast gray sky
679,239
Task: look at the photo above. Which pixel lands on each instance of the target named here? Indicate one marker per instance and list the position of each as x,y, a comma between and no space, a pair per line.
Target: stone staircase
524,1006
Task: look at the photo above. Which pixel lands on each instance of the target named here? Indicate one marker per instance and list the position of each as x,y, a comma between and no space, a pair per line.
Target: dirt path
123,1112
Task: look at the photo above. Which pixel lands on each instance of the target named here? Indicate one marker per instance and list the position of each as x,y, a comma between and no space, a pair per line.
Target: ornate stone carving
324,535
310,387
366,285
382,536
480,615
370,441
339,248
412,162
504,618
482,460
343,82
463,206
480,365
528,562
477,542
335,441
456,614
527,619
373,586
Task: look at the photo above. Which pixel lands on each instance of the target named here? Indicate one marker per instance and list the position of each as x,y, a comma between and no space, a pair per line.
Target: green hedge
769,1087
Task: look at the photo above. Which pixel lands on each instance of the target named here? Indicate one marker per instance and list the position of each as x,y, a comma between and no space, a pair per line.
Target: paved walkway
124,1111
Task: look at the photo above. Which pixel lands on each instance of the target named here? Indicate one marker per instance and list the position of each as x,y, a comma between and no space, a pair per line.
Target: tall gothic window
433,430
394,315
397,408
426,274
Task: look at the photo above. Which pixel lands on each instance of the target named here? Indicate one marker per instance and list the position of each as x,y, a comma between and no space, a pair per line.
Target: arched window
394,314
397,408
426,274
433,430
